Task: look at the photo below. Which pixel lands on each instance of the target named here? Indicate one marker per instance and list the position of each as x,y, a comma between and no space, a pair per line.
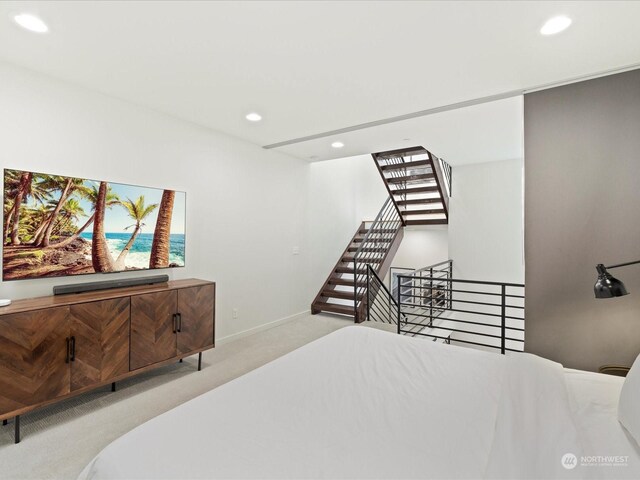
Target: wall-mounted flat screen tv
57,226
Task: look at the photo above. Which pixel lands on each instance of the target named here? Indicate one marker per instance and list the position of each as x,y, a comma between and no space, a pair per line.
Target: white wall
342,193
422,246
246,207
486,238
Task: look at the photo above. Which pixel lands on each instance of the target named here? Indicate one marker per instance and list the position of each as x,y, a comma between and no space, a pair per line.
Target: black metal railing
480,313
373,249
381,306
393,278
446,170
427,288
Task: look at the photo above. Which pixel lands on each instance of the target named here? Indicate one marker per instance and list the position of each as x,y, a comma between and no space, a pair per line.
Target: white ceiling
311,67
481,133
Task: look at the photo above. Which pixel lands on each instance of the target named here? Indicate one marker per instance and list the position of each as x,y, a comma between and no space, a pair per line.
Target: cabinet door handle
73,349
66,360
175,323
179,322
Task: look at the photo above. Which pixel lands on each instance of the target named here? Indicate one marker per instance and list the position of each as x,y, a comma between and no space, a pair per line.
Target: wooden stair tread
398,166
340,294
440,221
407,191
345,281
419,201
334,308
361,270
432,211
410,178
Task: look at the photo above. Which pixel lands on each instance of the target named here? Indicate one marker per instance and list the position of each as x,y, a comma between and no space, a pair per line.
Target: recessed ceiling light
31,23
337,144
555,25
253,117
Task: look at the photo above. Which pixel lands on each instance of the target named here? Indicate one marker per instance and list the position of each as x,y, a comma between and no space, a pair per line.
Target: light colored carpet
58,441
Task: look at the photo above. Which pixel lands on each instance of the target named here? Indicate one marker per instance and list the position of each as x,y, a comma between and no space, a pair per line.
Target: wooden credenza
52,348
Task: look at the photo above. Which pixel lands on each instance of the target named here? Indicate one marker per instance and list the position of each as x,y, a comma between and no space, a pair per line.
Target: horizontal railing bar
514,339
465,331
478,282
463,311
425,335
407,285
461,341
461,301
515,329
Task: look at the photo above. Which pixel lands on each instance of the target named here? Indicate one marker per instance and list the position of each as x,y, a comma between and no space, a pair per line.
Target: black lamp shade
607,286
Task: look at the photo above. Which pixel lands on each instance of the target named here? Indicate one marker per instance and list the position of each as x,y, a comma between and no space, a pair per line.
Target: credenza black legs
200,361
113,386
17,431
17,428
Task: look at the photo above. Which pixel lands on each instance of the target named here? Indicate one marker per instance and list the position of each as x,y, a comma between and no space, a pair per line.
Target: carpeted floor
58,441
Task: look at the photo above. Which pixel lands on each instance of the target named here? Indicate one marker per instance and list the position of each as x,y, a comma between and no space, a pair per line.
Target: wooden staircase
419,184
374,243
419,187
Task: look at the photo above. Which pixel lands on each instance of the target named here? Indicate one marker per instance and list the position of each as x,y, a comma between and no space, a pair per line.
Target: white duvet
361,403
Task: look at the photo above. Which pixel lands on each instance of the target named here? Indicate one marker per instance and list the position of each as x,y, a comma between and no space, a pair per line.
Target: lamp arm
623,264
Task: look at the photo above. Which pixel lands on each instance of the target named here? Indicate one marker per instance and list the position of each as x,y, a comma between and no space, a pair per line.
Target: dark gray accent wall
582,207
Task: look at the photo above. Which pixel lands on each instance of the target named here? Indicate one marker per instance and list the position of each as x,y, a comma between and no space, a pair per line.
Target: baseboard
260,328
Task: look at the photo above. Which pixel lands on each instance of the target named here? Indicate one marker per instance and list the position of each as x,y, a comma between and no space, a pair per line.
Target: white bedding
361,403
594,403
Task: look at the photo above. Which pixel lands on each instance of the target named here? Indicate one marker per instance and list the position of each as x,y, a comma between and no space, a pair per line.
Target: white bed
362,403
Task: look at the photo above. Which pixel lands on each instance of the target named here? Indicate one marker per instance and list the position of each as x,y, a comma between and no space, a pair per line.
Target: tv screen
57,226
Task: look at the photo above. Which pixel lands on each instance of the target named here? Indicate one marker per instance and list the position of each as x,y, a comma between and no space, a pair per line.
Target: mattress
362,403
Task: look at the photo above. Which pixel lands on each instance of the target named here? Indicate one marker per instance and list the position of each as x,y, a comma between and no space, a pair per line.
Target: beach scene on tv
57,226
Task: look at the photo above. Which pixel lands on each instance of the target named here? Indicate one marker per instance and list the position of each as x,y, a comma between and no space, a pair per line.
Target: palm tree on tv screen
100,256
90,194
69,214
19,186
67,185
161,236
138,211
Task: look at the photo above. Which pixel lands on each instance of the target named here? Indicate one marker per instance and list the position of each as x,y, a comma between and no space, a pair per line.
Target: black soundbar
90,287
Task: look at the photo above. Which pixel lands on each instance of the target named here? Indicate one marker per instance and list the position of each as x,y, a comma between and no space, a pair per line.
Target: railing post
399,304
390,298
431,295
504,319
450,284
355,289
368,292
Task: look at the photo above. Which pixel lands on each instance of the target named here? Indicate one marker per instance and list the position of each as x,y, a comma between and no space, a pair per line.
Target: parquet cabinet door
153,336
100,332
196,306
33,357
